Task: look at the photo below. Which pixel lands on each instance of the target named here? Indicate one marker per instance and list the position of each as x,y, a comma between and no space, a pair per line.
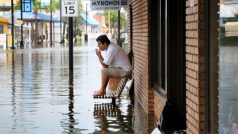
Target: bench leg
113,101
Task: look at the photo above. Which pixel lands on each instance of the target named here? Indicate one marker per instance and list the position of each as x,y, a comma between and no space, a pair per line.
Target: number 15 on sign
69,8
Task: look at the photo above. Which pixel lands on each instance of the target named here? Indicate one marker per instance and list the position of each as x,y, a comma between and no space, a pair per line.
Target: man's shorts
117,72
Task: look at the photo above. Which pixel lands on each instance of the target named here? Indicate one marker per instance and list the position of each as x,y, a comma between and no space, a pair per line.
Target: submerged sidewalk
38,95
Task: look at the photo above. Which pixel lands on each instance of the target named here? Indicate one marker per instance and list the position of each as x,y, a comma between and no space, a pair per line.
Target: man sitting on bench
115,63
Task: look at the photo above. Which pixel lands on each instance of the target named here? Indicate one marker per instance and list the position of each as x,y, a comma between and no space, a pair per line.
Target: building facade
181,56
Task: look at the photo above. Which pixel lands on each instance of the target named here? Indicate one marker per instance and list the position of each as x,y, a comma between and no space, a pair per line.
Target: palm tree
54,4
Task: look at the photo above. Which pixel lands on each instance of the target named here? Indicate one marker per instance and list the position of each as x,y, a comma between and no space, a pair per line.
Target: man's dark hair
103,39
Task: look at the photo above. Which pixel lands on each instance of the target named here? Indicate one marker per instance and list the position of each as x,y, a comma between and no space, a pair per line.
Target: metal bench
114,94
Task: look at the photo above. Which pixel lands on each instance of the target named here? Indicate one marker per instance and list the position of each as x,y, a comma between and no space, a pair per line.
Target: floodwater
38,95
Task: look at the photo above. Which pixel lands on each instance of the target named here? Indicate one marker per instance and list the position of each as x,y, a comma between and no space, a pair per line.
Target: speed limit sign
69,8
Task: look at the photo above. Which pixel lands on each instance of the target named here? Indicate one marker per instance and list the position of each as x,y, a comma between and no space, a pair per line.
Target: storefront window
228,67
158,11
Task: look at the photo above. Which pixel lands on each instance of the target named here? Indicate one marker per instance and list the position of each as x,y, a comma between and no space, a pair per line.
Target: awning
17,15
30,16
46,17
90,20
4,20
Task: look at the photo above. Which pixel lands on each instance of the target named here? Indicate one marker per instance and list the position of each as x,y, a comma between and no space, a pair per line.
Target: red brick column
195,67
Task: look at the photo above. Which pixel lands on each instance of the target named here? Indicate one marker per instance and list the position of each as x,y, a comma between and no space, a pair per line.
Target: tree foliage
55,5
114,18
80,10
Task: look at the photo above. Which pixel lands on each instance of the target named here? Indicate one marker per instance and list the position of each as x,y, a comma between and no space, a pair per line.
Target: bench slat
116,93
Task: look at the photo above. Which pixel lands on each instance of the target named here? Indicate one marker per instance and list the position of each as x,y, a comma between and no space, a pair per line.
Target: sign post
69,8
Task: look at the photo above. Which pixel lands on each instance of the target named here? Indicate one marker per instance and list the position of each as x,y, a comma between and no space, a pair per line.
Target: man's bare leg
104,82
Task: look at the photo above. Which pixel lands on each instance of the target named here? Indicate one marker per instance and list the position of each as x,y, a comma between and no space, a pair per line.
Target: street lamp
86,35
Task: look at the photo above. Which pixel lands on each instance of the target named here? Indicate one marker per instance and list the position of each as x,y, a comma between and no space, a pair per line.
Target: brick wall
141,55
194,67
159,103
149,100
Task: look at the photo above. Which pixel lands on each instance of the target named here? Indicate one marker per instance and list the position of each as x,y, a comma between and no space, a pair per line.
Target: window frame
168,44
211,35
159,46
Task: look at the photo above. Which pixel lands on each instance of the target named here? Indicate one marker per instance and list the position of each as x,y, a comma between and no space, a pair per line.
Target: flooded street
38,95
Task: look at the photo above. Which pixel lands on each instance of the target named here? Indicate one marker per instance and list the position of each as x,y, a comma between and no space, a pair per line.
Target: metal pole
109,26
51,44
21,42
75,28
70,34
86,19
60,23
86,35
119,27
12,12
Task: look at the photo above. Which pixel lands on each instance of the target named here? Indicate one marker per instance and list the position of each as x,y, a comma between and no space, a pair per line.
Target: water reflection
69,124
144,122
39,95
228,90
110,118
13,92
71,102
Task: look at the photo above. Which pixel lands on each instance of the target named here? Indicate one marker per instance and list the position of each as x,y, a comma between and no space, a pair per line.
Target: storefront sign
26,6
105,4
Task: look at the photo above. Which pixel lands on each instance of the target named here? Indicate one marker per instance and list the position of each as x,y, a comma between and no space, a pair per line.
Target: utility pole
21,42
51,44
12,12
86,35
60,22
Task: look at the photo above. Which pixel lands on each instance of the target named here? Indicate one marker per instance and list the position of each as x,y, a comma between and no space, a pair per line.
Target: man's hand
98,52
